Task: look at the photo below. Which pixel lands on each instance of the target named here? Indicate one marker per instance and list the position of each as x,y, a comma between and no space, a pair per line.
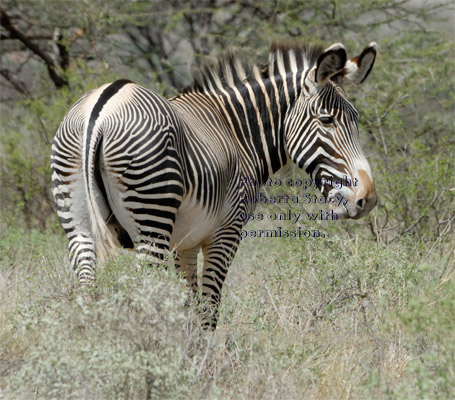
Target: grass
337,318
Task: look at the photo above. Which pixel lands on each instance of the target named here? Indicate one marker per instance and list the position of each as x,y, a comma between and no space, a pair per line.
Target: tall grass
335,318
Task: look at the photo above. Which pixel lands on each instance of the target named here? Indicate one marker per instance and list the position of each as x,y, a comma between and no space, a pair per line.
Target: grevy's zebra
132,168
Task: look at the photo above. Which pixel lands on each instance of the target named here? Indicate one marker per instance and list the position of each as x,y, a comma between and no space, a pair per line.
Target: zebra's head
321,130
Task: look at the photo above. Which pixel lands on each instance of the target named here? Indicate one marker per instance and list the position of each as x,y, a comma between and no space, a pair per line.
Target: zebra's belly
193,224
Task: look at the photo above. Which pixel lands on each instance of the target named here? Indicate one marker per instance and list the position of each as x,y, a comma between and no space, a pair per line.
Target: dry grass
340,318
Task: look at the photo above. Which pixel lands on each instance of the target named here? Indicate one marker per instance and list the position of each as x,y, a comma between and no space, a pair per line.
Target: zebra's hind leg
218,256
71,208
83,257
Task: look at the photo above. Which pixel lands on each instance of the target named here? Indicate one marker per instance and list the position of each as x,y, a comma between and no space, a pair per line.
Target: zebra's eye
326,119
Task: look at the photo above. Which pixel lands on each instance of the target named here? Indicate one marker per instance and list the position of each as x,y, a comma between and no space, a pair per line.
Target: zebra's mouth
348,205
347,210
340,211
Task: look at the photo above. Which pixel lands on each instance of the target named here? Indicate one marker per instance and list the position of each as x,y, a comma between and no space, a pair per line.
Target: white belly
192,225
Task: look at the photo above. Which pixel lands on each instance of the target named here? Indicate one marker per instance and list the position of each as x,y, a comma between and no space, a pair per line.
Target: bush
132,339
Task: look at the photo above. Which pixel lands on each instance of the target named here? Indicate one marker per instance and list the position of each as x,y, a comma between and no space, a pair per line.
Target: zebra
133,169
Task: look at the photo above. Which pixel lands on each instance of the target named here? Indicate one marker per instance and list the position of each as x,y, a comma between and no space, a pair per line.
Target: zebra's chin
340,211
350,209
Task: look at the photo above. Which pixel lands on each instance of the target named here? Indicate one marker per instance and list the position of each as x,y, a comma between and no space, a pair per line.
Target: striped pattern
131,168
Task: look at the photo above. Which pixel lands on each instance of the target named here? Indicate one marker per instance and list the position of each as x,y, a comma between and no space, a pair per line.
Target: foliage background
367,313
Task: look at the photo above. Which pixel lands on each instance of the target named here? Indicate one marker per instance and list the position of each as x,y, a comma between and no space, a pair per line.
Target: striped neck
255,103
255,112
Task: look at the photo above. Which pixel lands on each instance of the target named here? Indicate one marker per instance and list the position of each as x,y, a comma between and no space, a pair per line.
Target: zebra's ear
329,63
358,68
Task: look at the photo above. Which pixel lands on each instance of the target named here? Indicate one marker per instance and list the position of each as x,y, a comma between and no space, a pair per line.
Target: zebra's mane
231,71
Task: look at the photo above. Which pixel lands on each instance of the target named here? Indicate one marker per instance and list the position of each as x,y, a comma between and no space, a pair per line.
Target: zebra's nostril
360,203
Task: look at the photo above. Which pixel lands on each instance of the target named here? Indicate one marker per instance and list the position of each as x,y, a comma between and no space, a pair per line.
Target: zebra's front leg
152,250
218,256
186,263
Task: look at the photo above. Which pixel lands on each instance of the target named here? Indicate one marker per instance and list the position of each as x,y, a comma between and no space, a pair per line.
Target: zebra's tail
98,207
